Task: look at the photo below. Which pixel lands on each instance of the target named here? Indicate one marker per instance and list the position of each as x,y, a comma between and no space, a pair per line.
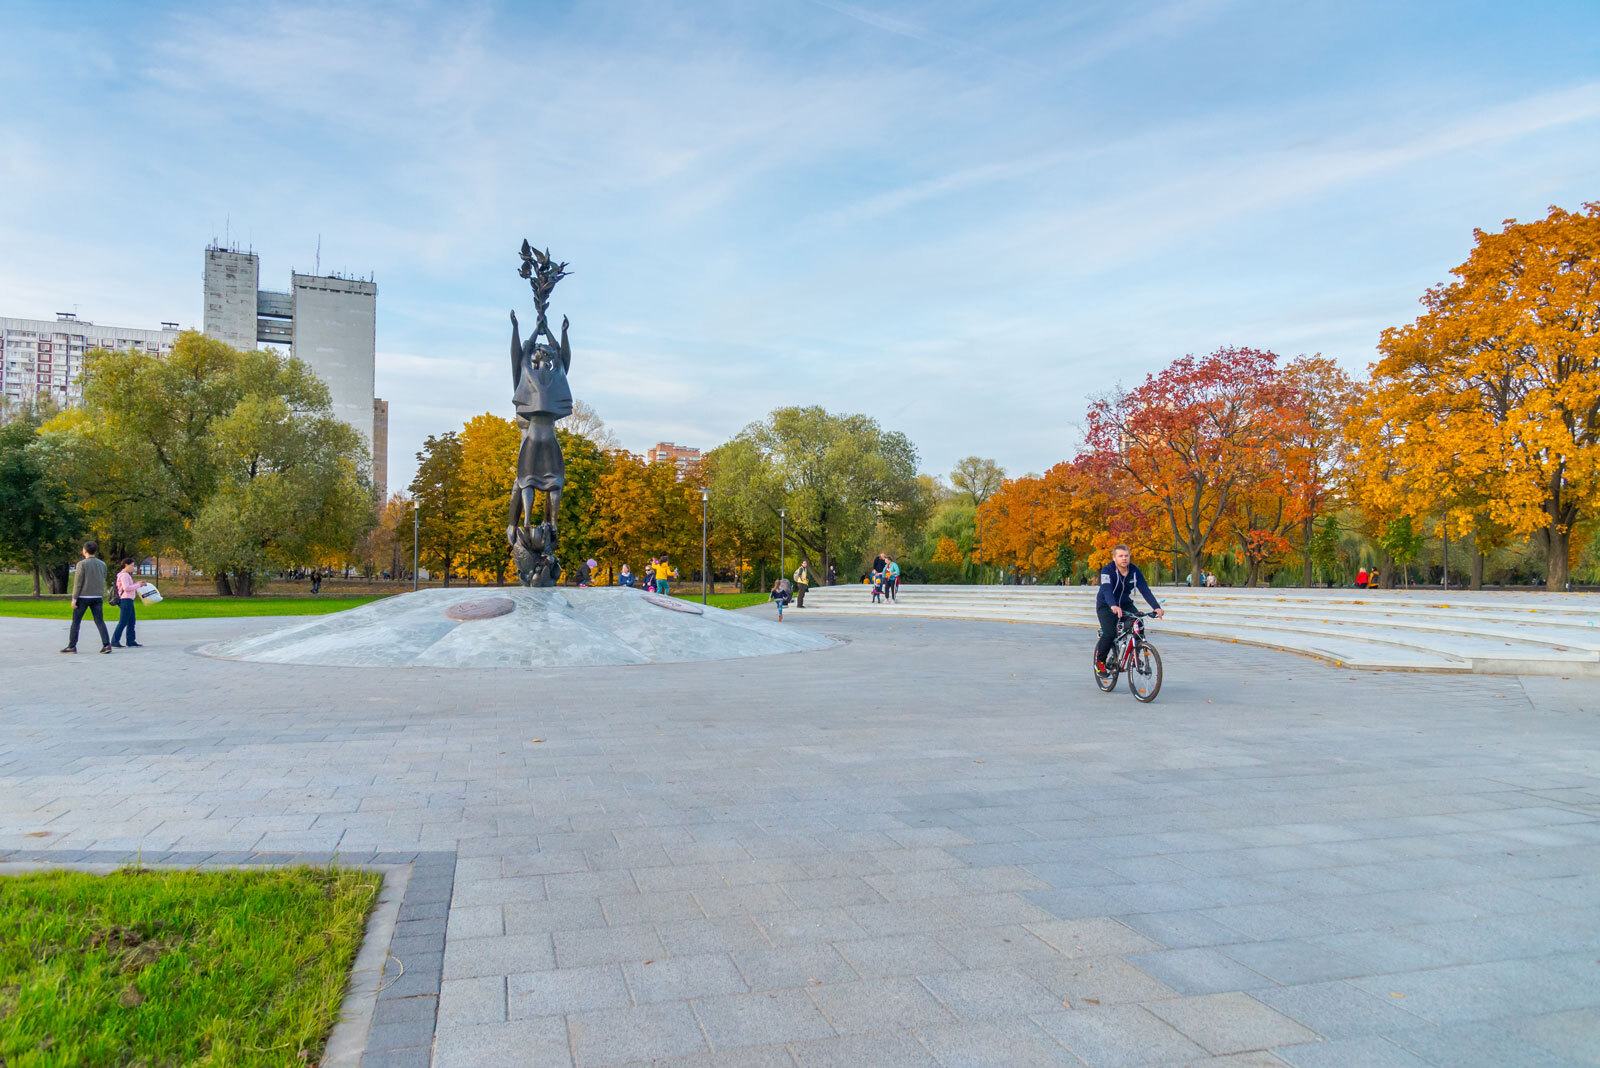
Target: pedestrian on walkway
316,581
891,579
127,591
833,575
88,595
802,577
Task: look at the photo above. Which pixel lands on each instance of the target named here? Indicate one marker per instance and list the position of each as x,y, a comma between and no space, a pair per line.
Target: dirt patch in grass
156,968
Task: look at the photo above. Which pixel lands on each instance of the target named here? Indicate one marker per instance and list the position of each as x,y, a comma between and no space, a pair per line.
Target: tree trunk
244,583
1385,573
36,578
1194,568
55,576
1556,544
1308,530
223,588
1477,569
1254,574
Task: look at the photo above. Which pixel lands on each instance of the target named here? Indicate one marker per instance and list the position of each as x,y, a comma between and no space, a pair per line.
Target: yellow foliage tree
946,551
488,469
1492,397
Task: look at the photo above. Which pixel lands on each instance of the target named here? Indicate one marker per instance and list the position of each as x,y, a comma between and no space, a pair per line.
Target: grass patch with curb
190,608
166,967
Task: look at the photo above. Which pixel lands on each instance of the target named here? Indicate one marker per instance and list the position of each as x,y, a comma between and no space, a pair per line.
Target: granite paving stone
870,1005
895,1049
927,829
1118,1036
1231,1023
762,1018
559,991
639,1033
1012,1042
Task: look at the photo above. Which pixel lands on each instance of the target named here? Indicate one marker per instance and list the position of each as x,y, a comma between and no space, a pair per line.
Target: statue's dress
542,397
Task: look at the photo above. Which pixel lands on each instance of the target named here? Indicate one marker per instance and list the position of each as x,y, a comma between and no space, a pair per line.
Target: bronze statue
541,396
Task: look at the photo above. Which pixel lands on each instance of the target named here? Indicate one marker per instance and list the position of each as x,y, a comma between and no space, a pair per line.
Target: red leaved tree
1192,440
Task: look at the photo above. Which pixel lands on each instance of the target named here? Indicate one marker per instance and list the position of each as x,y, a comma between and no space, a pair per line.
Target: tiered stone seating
1493,632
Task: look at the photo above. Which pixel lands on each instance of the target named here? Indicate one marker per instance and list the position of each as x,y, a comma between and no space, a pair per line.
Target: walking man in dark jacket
1118,580
89,595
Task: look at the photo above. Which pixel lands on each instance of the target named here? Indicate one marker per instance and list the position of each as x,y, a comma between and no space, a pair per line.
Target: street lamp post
415,526
783,556
705,495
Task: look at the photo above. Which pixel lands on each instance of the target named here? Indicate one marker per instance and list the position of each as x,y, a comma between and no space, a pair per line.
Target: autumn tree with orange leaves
1493,395
643,510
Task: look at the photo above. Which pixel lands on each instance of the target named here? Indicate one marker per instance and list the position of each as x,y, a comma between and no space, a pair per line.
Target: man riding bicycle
1118,580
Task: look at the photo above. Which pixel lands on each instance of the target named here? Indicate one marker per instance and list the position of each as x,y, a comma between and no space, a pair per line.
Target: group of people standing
89,594
657,578
885,578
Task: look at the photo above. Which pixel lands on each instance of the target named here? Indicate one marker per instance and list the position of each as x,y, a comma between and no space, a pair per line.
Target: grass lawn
10,583
725,600
191,607
146,967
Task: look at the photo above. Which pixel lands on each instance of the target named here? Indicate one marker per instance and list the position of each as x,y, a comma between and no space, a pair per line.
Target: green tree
288,489
40,524
977,478
1400,540
837,475
442,502
167,450
1325,550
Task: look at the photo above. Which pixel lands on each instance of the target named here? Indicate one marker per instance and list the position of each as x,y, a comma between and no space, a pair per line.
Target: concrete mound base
558,627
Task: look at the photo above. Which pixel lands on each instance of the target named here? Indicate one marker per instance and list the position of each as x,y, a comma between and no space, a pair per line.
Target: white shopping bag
148,593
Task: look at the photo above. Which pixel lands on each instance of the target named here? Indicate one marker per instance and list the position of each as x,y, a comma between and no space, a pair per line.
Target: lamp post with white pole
705,496
416,521
783,556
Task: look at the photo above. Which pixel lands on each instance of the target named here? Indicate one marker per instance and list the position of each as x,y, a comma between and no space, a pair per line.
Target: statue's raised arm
566,347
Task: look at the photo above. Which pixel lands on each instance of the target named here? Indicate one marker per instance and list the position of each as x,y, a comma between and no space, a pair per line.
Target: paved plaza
935,843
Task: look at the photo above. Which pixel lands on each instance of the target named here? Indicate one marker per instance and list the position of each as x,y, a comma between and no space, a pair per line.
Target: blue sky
960,218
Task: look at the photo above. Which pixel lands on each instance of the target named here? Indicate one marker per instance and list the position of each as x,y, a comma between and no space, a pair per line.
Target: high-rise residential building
327,321
680,456
41,356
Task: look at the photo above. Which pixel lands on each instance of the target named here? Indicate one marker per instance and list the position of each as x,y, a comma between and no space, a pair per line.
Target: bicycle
1131,653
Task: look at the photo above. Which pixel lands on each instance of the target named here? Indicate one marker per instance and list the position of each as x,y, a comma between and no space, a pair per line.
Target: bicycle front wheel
1144,677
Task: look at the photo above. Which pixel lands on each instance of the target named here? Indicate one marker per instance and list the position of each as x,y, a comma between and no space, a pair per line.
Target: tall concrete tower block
232,280
330,323
335,331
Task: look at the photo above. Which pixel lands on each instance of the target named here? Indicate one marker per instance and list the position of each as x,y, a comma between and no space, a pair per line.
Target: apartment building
680,456
43,356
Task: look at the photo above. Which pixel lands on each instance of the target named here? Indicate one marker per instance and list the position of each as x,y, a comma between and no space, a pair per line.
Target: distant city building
380,447
45,357
680,456
327,321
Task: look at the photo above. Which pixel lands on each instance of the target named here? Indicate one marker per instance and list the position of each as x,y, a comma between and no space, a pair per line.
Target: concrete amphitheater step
1496,633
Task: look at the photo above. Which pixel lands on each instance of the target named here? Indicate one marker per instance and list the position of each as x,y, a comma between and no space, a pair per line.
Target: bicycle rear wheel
1108,681
1144,677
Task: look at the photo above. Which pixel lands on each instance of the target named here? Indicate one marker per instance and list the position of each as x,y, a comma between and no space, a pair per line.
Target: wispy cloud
957,216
